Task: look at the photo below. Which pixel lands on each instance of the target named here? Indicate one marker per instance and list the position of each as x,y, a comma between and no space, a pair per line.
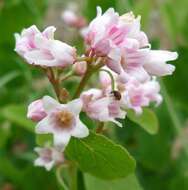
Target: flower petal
62,139
80,130
41,162
156,62
75,106
50,104
44,126
49,32
39,57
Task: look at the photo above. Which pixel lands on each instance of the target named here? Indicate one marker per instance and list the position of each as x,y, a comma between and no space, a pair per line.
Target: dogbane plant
120,53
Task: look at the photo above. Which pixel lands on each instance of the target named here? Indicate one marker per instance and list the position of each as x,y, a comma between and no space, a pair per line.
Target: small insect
116,94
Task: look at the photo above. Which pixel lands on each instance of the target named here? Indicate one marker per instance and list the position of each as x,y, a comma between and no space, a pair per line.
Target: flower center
65,119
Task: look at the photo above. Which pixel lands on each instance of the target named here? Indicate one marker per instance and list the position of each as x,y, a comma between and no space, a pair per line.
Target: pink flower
104,35
48,157
100,107
62,121
135,37
137,95
108,34
137,58
97,32
73,20
155,62
36,111
41,48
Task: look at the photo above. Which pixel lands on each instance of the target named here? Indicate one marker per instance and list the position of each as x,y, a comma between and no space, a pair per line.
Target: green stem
83,82
73,175
111,77
175,120
67,76
90,70
87,59
59,178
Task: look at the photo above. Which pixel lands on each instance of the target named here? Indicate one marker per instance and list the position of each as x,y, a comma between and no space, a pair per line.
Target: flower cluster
118,50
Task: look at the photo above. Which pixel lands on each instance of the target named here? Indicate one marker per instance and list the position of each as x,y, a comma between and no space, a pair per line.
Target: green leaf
128,183
17,114
147,120
43,139
101,157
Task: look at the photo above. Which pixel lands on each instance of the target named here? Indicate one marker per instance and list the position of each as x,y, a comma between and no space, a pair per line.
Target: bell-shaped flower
155,62
137,95
135,36
101,107
97,31
62,121
41,49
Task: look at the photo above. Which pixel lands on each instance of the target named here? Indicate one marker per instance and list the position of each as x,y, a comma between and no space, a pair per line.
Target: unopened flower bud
80,68
36,111
73,20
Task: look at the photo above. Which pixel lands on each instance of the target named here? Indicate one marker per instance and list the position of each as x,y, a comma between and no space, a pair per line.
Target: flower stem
83,82
90,70
111,77
73,175
59,178
67,76
87,59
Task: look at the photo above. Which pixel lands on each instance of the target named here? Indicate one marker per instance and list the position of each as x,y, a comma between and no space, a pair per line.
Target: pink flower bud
80,68
36,111
73,20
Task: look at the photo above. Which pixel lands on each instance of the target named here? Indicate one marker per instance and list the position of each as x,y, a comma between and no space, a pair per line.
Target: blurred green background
162,159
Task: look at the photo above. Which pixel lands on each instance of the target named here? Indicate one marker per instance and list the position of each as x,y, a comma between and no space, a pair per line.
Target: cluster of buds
117,49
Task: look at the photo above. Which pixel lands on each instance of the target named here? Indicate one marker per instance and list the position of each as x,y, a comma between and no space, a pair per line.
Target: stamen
65,119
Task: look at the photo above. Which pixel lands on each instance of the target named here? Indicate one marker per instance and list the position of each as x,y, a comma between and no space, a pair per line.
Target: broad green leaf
17,114
43,139
101,157
147,120
128,183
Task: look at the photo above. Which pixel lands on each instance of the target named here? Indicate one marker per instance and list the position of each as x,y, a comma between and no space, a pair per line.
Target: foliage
153,153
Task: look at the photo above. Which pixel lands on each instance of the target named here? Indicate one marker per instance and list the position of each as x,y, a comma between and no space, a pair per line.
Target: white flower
48,157
62,121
